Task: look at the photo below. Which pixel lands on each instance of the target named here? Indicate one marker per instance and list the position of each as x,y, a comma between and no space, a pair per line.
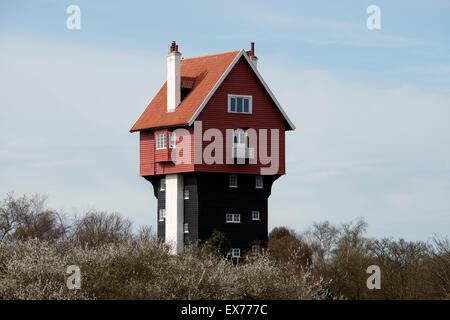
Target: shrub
218,244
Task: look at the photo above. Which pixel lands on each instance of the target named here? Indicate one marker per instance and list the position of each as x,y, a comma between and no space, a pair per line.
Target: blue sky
372,107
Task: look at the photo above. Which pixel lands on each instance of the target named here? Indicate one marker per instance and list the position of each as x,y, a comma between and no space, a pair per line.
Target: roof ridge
213,54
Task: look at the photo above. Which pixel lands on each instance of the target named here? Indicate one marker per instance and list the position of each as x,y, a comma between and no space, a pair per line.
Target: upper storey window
172,140
161,141
239,104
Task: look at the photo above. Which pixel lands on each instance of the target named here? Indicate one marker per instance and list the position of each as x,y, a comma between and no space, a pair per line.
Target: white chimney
173,78
251,55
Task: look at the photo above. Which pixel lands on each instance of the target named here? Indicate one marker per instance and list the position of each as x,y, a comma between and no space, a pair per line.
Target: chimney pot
253,58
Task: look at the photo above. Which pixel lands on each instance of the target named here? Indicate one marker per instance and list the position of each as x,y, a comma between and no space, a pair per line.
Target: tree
286,246
27,217
218,243
98,227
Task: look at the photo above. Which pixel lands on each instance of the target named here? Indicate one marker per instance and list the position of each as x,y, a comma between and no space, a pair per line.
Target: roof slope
207,70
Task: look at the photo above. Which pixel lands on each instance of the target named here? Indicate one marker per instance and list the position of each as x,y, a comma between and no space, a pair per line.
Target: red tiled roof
200,73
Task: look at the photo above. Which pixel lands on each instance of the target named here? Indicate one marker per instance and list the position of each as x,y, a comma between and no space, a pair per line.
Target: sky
371,107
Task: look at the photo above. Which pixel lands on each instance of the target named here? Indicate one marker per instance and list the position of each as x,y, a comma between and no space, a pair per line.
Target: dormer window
239,104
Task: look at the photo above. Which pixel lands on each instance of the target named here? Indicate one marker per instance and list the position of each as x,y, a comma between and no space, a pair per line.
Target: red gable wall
265,115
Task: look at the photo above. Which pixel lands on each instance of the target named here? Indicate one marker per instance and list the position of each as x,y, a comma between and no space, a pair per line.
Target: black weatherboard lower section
209,198
161,199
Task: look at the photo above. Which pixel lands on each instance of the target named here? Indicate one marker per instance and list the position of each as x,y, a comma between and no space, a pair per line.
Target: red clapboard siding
147,147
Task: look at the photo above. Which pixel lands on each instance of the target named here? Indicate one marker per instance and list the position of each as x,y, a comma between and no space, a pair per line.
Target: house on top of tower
212,142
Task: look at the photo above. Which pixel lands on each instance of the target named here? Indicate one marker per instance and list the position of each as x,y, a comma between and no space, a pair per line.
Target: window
255,215
239,104
235,253
240,138
162,184
172,140
259,182
162,214
186,228
186,194
233,218
233,181
160,141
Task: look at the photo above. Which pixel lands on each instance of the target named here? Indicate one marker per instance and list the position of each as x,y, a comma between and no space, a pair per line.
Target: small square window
186,228
255,215
162,186
259,182
235,253
233,181
186,194
233,218
161,141
162,214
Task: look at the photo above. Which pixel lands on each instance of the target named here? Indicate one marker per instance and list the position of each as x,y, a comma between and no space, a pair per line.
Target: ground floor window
235,253
186,228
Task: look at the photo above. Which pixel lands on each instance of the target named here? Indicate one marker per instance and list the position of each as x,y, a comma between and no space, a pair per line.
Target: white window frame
186,227
259,178
235,96
161,141
162,214
233,218
186,194
162,184
172,140
229,181
258,218
235,252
